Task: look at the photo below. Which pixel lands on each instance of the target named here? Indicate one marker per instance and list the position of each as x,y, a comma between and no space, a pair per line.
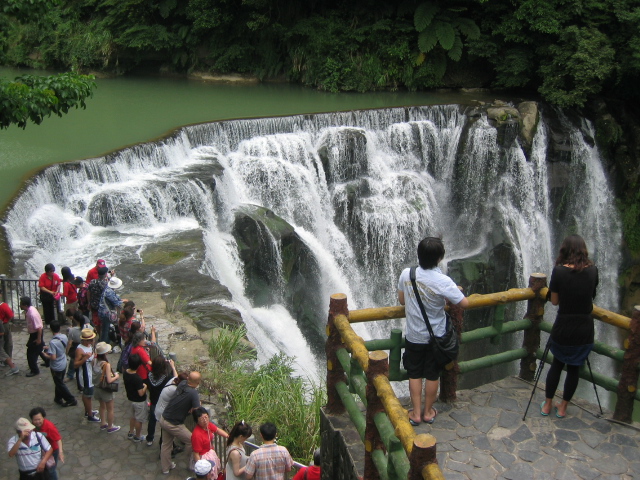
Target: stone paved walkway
90,453
483,436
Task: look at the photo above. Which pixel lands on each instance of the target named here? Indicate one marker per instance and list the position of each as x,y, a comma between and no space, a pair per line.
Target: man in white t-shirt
435,289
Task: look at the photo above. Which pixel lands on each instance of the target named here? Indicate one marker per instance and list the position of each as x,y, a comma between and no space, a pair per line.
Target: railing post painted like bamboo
531,340
423,456
335,372
629,376
449,377
378,365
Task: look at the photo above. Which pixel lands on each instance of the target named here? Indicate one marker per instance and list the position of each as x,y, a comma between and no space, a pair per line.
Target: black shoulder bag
446,347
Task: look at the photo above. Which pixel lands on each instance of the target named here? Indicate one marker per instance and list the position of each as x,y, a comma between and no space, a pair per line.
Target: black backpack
96,287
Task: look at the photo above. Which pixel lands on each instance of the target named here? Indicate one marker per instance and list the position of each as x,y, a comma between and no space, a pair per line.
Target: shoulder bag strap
412,276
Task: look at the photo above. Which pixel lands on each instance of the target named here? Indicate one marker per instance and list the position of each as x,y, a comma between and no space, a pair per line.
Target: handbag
446,347
109,387
51,462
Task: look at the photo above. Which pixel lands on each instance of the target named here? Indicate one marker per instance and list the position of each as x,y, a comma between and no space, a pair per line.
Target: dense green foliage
268,393
30,97
33,98
567,50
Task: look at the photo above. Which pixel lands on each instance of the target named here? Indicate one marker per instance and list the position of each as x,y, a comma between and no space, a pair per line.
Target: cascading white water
360,189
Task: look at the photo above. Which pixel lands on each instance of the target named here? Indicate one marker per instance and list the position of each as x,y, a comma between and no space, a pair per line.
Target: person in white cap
203,470
108,306
27,446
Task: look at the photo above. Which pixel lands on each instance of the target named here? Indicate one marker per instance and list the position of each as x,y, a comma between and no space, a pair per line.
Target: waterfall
358,190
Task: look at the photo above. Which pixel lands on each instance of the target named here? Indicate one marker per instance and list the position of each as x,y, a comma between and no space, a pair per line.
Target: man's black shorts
419,361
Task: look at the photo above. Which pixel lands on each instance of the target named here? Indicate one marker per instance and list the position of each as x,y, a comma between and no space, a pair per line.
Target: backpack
123,363
83,301
96,287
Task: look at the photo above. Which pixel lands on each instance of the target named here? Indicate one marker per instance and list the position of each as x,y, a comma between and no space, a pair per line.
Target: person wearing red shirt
202,439
93,273
49,284
139,342
6,340
69,290
49,430
312,472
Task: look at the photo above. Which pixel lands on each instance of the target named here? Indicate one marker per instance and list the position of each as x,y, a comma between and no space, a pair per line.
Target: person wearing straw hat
84,357
27,446
102,368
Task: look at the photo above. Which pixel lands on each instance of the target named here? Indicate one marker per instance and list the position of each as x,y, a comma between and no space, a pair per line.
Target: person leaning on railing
573,287
435,289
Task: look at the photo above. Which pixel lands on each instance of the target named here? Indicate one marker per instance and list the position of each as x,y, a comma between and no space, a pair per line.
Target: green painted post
395,354
498,321
354,370
352,408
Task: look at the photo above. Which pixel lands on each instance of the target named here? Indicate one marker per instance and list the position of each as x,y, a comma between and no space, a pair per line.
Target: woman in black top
572,287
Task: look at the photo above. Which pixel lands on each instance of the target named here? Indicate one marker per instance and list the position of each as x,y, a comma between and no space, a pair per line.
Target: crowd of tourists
100,323
158,394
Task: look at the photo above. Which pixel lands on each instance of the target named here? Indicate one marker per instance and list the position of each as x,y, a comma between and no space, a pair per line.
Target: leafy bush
269,392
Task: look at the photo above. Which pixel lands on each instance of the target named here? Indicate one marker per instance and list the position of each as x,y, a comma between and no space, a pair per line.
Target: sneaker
117,349
130,435
59,401
70,404
93,413
93,419
104,427
171,467
149,443
113,429
137,439
32,374
13,371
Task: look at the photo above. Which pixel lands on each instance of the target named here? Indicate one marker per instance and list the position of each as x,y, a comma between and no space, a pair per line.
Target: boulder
529,122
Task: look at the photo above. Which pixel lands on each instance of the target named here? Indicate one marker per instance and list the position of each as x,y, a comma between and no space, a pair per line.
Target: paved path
483,436
90,453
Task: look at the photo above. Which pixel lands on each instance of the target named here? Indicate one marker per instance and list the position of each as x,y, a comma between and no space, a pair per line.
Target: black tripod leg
594,386
538,373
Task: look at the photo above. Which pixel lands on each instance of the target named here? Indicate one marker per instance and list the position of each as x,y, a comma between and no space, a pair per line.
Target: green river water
125,111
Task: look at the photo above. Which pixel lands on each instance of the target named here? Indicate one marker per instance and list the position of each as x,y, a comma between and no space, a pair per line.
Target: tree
31,97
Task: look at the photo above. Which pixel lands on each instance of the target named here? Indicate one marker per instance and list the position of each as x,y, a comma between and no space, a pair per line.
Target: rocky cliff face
618,137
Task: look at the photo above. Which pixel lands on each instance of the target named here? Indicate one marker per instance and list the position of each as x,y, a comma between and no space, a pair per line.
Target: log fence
364,369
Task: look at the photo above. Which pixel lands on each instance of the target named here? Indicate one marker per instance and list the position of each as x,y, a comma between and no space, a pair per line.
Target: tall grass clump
266,393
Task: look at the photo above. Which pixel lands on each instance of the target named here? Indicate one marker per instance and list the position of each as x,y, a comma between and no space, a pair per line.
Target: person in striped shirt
270,461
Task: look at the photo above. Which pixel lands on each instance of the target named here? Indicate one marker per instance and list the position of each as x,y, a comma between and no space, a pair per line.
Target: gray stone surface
580,446
89,452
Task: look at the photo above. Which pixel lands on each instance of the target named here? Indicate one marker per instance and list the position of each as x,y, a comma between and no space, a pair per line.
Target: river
128,110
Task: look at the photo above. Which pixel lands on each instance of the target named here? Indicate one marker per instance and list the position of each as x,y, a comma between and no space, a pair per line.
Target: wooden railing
364,368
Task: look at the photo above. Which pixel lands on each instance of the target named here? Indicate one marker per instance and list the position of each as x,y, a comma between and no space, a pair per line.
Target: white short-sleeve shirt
435,288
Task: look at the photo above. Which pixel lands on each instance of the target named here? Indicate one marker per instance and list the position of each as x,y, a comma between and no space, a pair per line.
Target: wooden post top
538,275
339,296
378,355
